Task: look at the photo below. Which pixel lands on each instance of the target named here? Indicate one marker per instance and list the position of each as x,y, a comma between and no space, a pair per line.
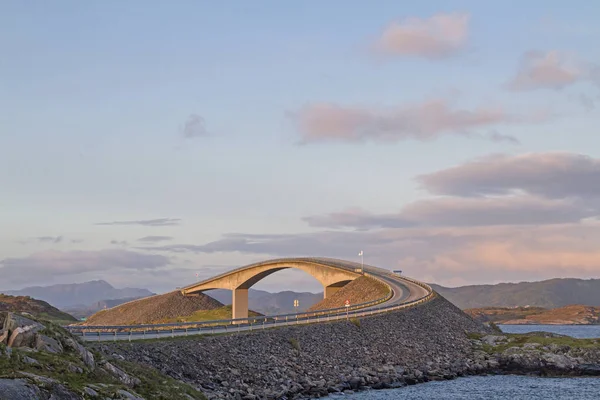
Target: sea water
502,387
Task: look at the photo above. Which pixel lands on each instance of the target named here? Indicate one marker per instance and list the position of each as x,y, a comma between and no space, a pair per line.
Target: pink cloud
439,36
422,121
552,70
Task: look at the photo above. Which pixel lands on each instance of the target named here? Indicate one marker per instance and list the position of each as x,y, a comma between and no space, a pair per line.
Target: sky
153,144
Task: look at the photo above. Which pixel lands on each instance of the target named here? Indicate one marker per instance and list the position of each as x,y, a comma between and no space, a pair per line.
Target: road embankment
429,341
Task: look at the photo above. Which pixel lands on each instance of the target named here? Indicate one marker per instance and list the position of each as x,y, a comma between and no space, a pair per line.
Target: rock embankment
417,344
154,309
360,290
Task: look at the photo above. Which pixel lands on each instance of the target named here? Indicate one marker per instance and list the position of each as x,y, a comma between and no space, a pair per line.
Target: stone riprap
425,342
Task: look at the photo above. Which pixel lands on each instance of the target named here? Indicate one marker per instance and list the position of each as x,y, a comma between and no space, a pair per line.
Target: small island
568,315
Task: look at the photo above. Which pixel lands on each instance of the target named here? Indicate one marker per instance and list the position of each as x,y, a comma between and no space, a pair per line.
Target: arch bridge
332,274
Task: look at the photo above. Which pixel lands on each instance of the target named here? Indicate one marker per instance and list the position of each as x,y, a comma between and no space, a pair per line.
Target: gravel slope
154,309
358,291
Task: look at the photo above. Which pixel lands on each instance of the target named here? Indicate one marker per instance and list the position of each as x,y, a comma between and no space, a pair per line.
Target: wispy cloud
119,242
194,127
155,238
550,70
49,239
439,36
146,222
422,121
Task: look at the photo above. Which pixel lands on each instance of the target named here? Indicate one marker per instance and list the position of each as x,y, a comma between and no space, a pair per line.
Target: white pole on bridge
362,263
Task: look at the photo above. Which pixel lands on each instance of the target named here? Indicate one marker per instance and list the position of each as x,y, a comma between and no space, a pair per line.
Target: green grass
295,344
158,386
355,321
224,312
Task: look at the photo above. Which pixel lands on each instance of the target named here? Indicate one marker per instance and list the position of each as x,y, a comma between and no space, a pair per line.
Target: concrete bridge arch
332,275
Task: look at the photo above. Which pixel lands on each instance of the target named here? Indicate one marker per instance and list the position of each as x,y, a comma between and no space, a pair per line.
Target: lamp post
362,263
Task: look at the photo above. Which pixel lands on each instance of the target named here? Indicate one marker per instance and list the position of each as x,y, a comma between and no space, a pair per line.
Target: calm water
576,331
507,387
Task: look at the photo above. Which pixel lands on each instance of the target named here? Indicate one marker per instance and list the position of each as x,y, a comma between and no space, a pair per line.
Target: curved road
405,292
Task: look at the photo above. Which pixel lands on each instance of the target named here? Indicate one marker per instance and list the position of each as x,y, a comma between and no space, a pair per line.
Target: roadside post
347,305
296,305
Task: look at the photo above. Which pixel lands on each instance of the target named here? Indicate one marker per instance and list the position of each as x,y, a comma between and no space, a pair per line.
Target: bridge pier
239,303
332,289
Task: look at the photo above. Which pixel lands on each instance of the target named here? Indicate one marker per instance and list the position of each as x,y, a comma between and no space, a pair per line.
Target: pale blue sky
94,97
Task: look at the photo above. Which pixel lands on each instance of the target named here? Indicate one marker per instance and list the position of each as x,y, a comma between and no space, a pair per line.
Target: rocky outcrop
535,353
45,343
414,345
121,375
43,361
20,331
84,354
19,389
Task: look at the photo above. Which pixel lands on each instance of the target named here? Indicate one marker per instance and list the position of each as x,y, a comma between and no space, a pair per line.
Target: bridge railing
216,326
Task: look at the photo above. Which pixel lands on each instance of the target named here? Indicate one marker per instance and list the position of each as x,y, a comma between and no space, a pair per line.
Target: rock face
418,344
20,331
18,389
45,343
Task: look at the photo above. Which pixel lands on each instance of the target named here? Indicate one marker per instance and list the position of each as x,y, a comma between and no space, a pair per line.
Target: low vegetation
224,312
69,366
540,338
574,314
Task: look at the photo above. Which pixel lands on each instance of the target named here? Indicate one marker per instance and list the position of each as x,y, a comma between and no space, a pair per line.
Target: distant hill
272,303
37,308
552,293
78,294
574,314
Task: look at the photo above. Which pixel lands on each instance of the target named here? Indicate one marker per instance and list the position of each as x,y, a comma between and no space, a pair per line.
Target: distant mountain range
78,295
552,293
